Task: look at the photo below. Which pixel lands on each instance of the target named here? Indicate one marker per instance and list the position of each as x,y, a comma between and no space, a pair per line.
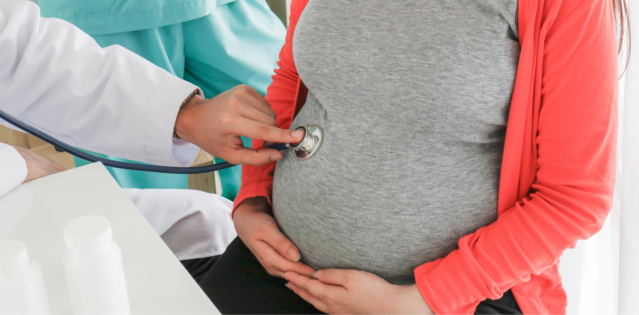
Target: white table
36,212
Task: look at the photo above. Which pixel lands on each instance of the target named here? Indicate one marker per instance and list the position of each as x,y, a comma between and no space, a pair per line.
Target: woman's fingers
319,304
275,263
339,277
281,243
283,248
313,286
258,230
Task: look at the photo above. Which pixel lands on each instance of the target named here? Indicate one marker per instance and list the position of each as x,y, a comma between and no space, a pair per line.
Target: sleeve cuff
454,284
160,145
13,168
184,152
256,189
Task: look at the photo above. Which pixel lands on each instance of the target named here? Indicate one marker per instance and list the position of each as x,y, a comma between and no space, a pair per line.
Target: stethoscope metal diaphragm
310,144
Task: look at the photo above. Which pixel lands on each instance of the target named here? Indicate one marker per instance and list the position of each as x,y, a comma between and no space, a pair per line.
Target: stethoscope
305,149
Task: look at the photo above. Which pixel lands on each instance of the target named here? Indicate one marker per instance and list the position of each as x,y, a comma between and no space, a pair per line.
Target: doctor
214,44
111,101
56,77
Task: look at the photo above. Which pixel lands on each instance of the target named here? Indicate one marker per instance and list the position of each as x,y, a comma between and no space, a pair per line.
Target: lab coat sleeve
111,101
192,223
13,168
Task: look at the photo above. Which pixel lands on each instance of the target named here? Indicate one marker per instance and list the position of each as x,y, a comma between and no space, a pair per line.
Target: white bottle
93,267
21,285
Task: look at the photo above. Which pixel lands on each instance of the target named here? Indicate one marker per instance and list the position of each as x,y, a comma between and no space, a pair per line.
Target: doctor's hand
215,125
257,228
339,291
38,165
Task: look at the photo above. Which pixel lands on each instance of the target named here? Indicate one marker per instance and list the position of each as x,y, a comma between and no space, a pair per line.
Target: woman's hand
338,291
38,165
258,230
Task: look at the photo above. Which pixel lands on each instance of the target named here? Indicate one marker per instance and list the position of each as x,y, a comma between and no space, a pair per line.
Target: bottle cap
88,233
14,259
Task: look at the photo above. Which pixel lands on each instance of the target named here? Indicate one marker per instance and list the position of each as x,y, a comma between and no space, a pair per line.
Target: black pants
238,284
199,267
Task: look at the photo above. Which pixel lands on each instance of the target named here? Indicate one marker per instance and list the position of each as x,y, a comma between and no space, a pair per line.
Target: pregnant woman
467,144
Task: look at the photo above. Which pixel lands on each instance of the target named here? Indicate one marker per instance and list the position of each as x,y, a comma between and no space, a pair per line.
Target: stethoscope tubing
118,164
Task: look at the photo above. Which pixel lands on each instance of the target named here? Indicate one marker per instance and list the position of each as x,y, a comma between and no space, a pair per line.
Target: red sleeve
575,142
281,94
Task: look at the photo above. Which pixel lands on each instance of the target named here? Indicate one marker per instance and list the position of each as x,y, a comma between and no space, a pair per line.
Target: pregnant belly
367,201
381,215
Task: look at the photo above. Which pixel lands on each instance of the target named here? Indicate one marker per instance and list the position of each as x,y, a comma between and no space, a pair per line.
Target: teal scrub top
98,17
215,44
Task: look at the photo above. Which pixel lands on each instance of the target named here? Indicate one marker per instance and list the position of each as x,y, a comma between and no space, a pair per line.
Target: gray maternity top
413,96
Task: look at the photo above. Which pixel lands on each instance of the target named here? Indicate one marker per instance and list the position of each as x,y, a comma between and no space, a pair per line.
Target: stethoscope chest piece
313,138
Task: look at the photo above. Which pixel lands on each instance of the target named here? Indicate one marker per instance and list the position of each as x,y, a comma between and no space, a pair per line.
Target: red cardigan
557,175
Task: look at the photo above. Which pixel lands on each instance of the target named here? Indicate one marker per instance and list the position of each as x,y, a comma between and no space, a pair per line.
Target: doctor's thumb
247,156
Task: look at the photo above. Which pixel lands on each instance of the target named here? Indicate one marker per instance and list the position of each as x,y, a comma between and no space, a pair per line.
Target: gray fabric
413,97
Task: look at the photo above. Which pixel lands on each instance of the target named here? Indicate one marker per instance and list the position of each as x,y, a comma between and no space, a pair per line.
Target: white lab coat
55,77
194,224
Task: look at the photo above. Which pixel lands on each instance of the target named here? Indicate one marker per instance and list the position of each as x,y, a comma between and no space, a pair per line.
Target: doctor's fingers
261,131
256,115
38,165
249,96
248,156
